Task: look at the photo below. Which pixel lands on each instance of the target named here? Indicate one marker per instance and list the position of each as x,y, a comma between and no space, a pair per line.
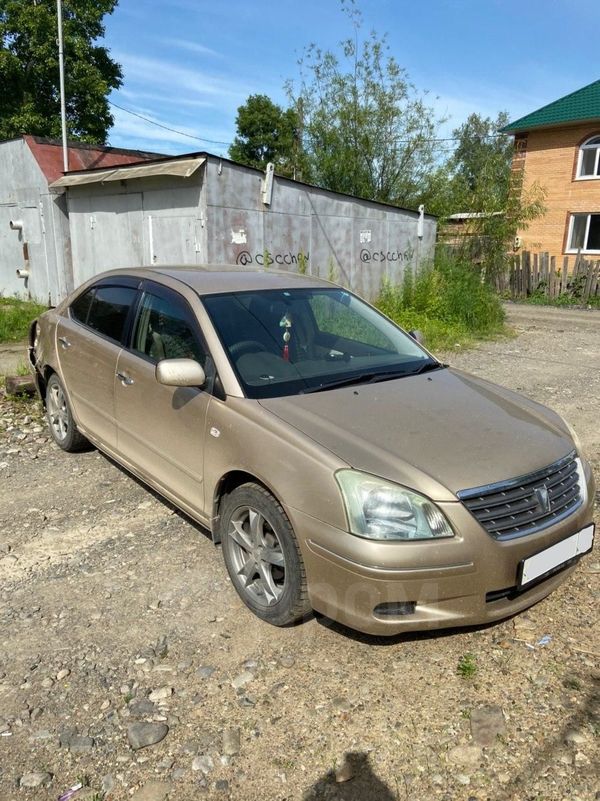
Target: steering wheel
246,346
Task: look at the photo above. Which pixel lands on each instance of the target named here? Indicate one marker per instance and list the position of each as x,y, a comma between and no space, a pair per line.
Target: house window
584,233
589,159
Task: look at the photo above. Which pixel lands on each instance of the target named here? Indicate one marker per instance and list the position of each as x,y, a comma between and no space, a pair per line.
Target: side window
81,306
164,330
109,309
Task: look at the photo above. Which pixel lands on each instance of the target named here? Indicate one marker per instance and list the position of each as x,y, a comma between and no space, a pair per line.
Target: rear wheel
60,419
262,556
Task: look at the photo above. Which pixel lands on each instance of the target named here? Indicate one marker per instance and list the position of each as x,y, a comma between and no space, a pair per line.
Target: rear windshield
282,342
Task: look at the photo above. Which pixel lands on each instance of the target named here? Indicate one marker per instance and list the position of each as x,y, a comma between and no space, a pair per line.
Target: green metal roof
584,104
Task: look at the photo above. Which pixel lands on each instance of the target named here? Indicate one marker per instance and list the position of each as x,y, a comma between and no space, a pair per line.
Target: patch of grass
467,666
447,302
16,316
571,297
571,683
562,301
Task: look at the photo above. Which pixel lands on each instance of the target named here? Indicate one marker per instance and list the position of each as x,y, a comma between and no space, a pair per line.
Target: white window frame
572,216
586,146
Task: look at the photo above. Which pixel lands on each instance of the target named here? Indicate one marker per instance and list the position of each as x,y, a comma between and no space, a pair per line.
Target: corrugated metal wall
352,241
44,240
215,216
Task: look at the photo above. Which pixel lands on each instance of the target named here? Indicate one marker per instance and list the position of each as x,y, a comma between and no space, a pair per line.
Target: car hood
439,432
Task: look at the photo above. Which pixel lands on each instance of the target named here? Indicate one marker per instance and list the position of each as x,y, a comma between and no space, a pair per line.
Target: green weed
302,263
16,316
467,666
447,302
571,683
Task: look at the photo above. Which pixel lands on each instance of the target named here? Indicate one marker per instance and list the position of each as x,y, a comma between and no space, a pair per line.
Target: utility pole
61,69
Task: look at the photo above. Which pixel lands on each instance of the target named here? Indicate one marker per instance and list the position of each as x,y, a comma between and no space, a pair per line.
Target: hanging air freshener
286,323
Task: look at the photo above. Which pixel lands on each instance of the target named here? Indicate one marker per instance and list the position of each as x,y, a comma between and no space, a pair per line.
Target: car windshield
285,342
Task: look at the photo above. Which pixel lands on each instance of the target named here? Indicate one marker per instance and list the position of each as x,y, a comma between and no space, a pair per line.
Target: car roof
212,279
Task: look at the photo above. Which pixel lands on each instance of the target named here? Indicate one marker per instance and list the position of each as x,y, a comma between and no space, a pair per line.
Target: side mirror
180,373
417,336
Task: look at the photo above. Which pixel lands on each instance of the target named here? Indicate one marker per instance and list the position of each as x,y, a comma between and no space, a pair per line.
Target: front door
161,429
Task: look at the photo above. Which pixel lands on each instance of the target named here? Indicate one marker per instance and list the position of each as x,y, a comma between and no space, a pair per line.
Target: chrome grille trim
515,507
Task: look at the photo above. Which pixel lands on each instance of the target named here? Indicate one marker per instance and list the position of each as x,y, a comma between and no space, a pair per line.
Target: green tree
267,133
366,130
482,159
478,179
29,73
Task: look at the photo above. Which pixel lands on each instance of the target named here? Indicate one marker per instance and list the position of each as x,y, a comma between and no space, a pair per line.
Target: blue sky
188,64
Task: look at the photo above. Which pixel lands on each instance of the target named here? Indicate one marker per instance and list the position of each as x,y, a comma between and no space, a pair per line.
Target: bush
447,301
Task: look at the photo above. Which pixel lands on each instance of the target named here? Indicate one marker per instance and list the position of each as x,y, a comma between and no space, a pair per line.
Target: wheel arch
225,486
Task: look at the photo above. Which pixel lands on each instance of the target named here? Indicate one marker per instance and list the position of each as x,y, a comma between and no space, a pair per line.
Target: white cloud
167,98
159,72
191,47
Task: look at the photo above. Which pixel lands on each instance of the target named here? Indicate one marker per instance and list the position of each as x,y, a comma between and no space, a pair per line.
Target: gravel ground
128,664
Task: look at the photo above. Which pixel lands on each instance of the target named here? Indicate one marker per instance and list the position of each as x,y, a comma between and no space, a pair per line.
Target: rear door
89,340
161,429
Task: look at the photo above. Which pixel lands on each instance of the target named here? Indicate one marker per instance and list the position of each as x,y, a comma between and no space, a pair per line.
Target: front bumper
469,579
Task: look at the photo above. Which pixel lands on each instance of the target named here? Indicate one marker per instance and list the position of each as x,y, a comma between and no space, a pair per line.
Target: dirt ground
115,610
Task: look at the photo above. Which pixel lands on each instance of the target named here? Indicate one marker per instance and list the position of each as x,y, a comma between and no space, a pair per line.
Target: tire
60,418
262,556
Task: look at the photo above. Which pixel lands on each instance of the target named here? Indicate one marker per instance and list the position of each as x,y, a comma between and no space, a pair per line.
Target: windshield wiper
373,378
361,378
426,368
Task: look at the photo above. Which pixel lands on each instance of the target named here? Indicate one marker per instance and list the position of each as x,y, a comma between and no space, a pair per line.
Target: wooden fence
539,273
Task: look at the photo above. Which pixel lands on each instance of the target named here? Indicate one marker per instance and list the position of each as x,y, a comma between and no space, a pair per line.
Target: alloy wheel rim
257,556
57,412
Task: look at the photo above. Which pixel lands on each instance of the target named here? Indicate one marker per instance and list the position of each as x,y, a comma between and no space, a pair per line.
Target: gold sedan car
340,465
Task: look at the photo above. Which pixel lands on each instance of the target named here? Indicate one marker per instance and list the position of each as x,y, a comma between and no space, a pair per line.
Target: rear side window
109,309
80,308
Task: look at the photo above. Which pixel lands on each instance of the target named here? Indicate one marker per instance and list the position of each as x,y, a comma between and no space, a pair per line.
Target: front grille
526,504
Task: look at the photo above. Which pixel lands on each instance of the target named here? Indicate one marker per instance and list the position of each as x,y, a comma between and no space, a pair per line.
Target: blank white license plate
556,555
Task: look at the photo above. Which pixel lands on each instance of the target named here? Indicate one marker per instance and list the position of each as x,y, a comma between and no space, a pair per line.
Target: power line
166,127
228,144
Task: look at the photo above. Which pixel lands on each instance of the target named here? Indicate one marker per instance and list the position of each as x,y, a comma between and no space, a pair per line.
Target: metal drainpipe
22,272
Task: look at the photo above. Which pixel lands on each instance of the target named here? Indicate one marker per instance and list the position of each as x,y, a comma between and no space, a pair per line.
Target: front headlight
582,482
380,510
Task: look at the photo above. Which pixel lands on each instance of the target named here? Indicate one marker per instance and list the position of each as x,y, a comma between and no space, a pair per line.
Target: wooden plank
553,277
544,273
588,281
19,384
595,280
565,275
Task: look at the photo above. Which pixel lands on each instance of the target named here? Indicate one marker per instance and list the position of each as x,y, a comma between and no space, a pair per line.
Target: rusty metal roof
82,156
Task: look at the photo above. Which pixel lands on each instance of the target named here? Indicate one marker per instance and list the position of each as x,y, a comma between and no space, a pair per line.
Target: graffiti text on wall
267,258
367,256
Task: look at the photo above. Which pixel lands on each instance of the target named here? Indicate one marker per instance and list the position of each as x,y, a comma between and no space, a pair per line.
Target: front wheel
262,556
60,419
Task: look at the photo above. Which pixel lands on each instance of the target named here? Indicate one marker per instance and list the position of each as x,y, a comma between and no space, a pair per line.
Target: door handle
125,379
64,342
